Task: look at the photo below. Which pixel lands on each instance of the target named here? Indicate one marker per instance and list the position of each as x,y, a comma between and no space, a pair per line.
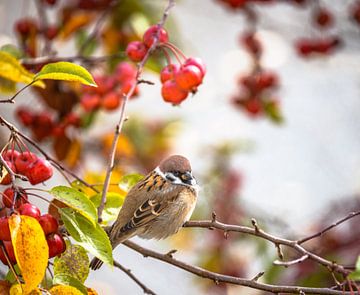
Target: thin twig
97,26
134,278
291,262
86,59
216,277
43,21
119,125
320,233
12,99
271,238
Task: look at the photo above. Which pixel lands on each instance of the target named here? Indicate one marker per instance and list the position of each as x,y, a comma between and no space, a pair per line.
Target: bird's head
177,170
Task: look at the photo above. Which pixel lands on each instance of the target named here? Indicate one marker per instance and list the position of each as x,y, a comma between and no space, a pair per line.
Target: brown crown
175,163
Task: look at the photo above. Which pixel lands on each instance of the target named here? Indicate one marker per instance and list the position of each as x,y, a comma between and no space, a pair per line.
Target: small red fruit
171,92
196,61
39,171
26,117
23,162
49,224
7,179
125,71
90,102
253,106
169,72
5,234
51,32
10,252
10,155
323,18
30,210
56,245
152,32
188,77
111,101
136,51
8,198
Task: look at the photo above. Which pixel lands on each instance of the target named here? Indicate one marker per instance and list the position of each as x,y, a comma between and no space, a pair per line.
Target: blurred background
285,152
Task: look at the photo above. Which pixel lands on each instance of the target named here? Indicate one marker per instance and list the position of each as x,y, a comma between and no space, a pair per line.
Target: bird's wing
144,202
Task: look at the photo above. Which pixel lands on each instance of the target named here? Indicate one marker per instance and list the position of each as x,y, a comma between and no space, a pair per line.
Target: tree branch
134,278
217,278
271,238
320,233
120,123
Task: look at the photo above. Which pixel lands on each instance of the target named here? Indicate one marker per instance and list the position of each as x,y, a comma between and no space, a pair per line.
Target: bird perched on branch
157,206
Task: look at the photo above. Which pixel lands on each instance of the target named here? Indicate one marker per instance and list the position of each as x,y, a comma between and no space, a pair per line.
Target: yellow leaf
18,290
124,147
31,249
11,69
65,71
64,290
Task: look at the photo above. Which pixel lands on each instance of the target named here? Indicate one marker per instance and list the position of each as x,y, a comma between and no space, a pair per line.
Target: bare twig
12,99
271,238
220,278
134,278
320,233
291,262
119,125
43,21
86,59
97,26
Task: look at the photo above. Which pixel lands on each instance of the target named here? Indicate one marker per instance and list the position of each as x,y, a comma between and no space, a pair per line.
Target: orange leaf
4,288
75,22
31,249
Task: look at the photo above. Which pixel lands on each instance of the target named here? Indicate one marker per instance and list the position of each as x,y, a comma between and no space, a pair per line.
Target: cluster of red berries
178,79
43,125
111,89
36,170
48,223
28,29
256,92
307,47
239,4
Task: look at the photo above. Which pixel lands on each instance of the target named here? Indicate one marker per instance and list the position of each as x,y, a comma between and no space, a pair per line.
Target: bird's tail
96,263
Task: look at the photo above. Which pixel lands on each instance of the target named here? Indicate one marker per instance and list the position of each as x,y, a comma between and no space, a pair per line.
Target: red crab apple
39,171
10,252
169,72
188,77
4,229
30,210
152,32
136,51
56,245
171,92
8,198
49,224
23,162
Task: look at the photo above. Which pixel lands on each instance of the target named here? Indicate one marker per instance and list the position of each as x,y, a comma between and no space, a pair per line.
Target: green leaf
10,275
357,265
92,237
74,262
76,200
355,275
66,71
13,50
11,69
129,180
62,279
112,206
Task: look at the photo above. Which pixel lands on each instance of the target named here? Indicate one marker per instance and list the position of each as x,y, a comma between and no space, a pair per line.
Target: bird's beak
188,178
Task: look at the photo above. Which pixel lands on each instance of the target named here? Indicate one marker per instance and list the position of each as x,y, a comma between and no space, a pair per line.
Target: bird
157,206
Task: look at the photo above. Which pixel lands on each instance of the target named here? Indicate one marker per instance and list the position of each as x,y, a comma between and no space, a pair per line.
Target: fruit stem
170,45
164,46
